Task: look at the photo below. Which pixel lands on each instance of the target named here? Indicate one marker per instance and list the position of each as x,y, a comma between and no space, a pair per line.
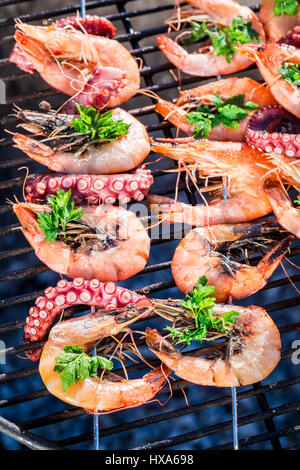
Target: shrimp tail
173,51
272,259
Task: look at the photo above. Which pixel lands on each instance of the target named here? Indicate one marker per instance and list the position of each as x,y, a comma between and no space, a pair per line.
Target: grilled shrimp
97,394
248,356
244,168
108,243
72,152
287,215
269,59
91,24
97,70
226,88
198,254
218,12
276,26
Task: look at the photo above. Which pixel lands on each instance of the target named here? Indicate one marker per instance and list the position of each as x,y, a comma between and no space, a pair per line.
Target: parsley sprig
102,128
61,214
290,72
201,304
224,40
74,365
285,7
228,113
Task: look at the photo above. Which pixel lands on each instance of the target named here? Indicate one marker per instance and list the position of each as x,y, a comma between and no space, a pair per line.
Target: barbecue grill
268,413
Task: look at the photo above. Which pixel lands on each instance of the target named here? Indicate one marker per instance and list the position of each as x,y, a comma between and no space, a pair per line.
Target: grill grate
268,412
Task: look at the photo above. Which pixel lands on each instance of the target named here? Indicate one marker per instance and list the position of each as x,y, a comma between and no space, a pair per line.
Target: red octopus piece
92,189
101,87
273,129
92,24
292,37
104,295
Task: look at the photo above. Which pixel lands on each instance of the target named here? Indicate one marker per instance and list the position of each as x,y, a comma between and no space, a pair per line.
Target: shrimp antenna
149,93
25,180
289,278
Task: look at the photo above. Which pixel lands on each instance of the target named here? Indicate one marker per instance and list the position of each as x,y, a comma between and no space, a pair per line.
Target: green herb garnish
285,7
102,127
290,73
224,39
62,213
227,112
201,304
74,365
297,201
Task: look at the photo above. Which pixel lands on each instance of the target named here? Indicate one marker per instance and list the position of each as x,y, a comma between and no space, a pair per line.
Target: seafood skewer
107,243
95,70
93,189
204,95
91,24
215,13
67,294
71,151
250,353
110,391
207,252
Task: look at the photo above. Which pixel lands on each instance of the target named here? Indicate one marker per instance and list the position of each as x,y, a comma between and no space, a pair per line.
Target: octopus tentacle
104,295
273,129
93,189
292,38
93,24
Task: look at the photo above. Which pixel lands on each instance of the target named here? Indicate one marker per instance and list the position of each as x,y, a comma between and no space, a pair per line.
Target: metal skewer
233,389
95,417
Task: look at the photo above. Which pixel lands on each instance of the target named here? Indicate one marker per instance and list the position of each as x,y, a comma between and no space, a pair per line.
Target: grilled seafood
92,189
249,355
110,391
202,95
277,26
73,152
245,171
204,252
96,70
108,243
214,12
273,129
287,215
270,58
91,24
67,294
244,168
